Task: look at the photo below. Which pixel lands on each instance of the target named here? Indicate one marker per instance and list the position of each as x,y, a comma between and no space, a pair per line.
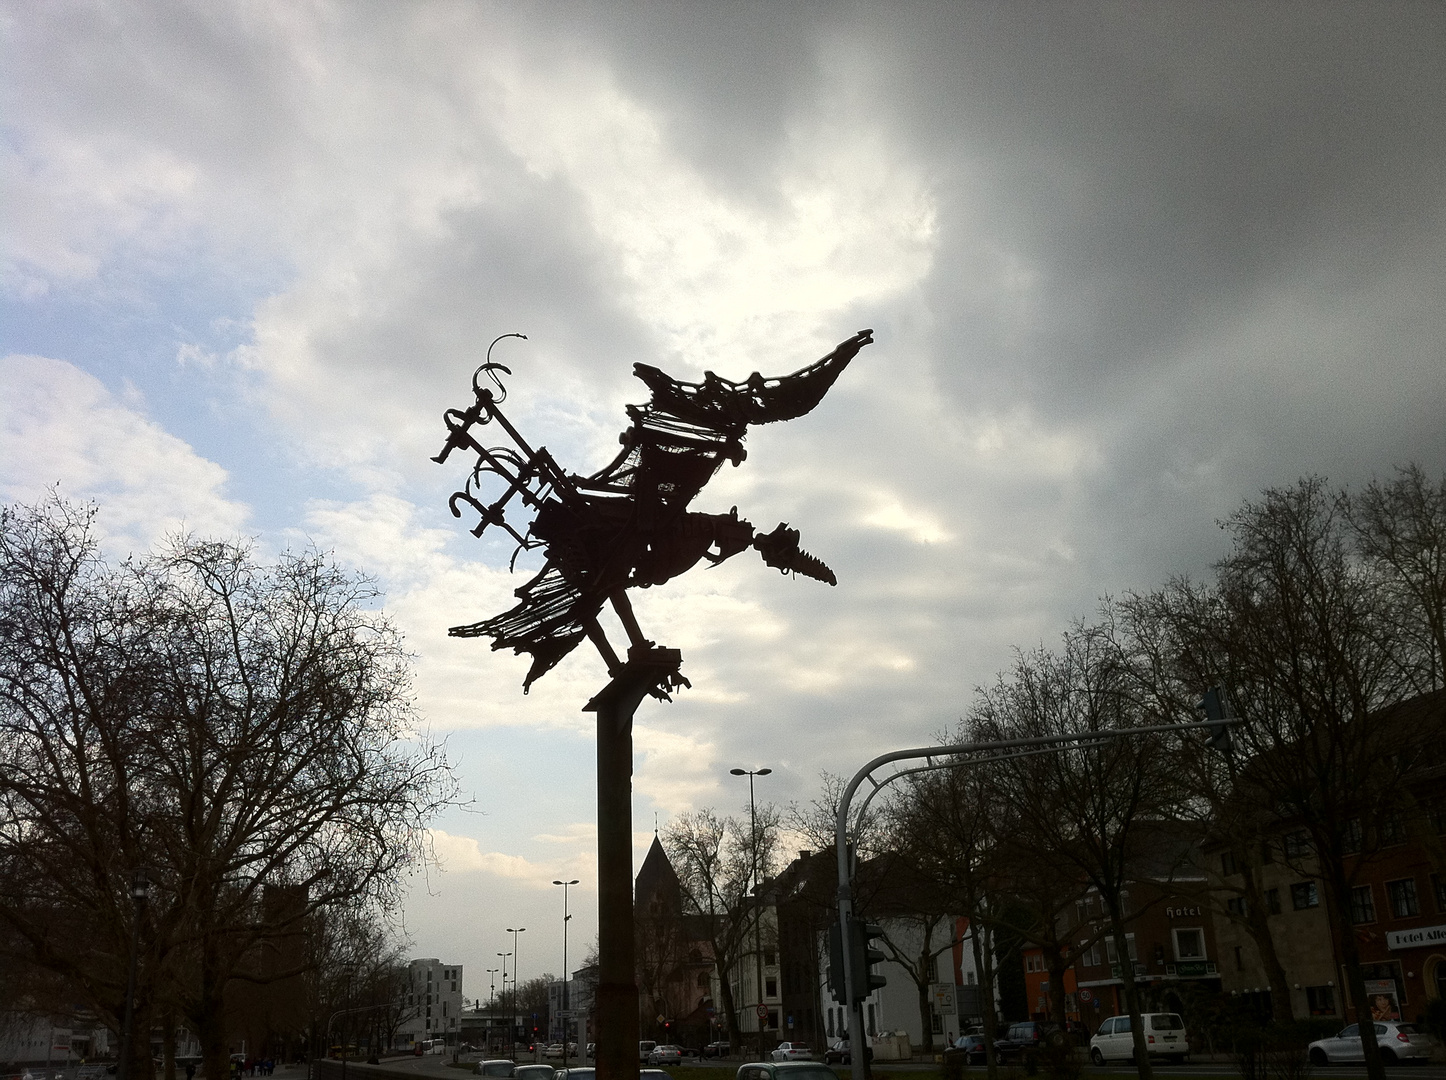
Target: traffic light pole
856,983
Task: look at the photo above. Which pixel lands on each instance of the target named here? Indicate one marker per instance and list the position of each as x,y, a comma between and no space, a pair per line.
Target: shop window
1351,836
1303,895
1402,897
1189,943
1321,1000
1363,905
1272,901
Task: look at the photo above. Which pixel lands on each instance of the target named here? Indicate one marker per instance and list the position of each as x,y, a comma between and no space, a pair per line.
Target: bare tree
1321,622
1081,809
243,731
714,859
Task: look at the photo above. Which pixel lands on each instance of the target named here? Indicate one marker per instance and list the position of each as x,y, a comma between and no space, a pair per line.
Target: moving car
967,1050
719,1048
785,1070
665,1055
1164,1037
838,1053
1398,1042
792,1051
1019,1039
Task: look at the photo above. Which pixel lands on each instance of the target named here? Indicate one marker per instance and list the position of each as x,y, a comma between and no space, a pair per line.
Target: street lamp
758,916
566,996
515,991
504,956
492,1001
140,893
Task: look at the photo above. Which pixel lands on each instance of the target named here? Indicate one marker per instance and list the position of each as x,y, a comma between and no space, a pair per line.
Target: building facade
434,996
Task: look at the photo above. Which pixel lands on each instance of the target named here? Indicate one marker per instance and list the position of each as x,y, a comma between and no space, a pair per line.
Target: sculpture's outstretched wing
685,433
548,623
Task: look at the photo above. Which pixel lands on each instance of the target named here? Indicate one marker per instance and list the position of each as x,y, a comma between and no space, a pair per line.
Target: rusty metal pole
617,991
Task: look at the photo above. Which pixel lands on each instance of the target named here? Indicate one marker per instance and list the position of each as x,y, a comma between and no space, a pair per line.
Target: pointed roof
656,876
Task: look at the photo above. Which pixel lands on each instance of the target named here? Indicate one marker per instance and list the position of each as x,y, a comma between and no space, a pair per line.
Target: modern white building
434,998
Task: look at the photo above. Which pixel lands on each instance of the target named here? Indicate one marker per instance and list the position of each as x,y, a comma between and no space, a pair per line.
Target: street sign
762,1012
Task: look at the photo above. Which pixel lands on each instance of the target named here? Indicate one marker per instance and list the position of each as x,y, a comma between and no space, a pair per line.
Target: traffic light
836,964
1216,713
863,956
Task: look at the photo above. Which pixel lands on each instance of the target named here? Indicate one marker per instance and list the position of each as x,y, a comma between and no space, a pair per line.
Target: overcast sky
1126,265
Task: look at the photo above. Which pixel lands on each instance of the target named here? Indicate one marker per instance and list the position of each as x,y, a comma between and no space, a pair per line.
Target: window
1236,906
1239,958
1272,901
768,958
1303,895
1089,954
1402,896
1437,815
872,1029
1321,1000
830,1023
1267,852
1227,863
1351,836
1189,944
1392,831
1438,886
770,987
1297,844
1112,953
1363,905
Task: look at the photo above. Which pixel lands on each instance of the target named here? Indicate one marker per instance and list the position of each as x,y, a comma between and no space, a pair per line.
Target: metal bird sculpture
628,525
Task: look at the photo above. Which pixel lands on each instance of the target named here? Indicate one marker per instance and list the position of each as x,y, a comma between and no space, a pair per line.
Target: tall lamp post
516,993
140,893
566,994
492,1000
758,915
504,956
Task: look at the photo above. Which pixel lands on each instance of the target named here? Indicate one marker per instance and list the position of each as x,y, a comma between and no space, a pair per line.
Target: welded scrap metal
627,525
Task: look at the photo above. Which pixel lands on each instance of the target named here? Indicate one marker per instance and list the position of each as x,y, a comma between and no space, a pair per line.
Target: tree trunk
1257,923
168,1046
1338,891
1054,959
1132,993
984,964
730,1008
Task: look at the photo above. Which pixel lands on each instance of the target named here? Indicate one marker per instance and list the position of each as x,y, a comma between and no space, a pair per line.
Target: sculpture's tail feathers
780,550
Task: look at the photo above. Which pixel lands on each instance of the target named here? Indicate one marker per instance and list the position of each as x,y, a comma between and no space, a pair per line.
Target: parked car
1398,1042
719,1048
496,1067
580,1073
792,1051
644,1049
785,1070
966,1050
653,1074
1164,1037
665,1055
533,1072
553,1051
1021,1038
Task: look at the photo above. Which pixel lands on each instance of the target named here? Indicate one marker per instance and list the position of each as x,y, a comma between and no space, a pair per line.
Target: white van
1164,1036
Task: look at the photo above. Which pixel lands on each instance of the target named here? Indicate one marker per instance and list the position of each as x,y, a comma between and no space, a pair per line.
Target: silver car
1398,1042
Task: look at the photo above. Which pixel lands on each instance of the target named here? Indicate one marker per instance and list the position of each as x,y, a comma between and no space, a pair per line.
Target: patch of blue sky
167,329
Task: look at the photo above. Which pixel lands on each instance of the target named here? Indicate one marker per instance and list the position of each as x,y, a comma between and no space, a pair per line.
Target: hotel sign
1410,939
